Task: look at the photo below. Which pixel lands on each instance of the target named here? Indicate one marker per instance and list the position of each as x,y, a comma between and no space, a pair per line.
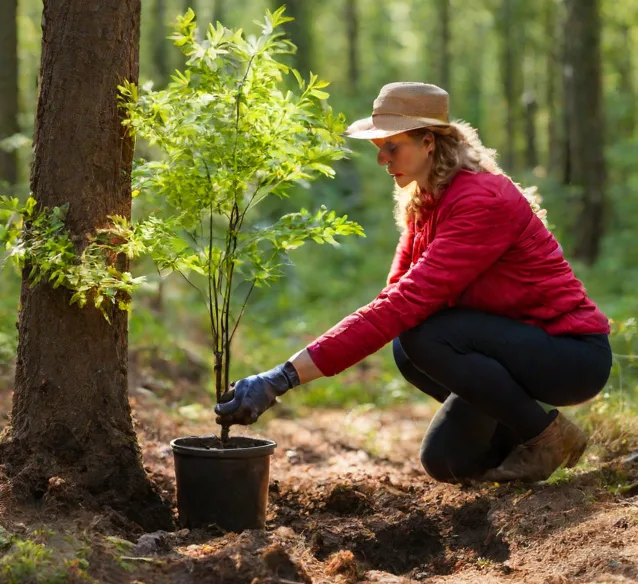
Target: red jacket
481,246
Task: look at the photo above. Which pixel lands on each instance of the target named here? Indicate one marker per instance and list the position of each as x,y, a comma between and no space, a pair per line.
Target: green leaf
319,94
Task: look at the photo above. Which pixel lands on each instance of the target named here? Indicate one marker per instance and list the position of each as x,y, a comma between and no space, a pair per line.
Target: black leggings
489,371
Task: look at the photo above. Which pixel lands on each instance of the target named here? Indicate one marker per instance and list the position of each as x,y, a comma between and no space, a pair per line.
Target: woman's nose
382,157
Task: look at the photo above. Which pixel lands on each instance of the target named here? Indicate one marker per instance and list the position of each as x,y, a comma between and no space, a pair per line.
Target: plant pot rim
266,448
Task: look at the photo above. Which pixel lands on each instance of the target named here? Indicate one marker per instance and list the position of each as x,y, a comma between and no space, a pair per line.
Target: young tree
232,135
8,87
71,417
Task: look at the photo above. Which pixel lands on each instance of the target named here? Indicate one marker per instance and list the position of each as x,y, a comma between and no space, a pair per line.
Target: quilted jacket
480,246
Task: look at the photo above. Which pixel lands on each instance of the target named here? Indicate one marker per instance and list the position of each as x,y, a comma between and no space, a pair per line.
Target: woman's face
406,158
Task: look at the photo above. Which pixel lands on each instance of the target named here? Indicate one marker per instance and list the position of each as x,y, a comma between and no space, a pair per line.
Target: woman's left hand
250,397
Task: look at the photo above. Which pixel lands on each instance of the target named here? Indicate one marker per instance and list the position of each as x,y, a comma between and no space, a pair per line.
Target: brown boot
561,443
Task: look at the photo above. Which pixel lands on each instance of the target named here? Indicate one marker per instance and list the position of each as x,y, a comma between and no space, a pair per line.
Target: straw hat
401,107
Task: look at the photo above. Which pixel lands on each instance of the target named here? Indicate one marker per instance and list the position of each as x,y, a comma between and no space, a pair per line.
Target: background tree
300,32
352,23
219,12
585,123
160,46
445,58
510,67
71,417
8,87
553,52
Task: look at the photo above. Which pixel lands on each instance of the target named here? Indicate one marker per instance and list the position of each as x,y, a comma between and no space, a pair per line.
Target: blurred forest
551,84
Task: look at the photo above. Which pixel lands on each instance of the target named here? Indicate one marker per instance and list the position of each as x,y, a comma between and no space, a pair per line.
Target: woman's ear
428,142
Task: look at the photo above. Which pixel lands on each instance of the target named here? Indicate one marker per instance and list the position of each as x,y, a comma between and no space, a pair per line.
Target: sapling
232,133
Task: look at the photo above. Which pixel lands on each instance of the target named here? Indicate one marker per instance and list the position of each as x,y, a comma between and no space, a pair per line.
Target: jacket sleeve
473,234
402,256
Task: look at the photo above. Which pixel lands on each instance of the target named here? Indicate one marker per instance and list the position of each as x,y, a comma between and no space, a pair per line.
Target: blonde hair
456,147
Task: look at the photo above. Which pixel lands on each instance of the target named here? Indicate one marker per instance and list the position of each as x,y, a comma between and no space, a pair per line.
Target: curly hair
456,147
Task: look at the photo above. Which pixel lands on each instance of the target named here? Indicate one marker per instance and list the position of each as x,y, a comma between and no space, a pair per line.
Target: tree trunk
8,87
586,124
531,108
219,13
553,120
625,67
299,31
445,58
160,43
71,416
509,76
352,22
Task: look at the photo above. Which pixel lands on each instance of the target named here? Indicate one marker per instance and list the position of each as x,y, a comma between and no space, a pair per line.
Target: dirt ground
350,503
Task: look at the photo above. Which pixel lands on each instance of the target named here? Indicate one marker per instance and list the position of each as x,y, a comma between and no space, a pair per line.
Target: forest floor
348,502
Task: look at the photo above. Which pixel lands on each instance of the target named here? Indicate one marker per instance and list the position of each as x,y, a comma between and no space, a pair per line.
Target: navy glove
252,396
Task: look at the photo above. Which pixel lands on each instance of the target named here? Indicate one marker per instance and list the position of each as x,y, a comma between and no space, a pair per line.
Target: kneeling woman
484,313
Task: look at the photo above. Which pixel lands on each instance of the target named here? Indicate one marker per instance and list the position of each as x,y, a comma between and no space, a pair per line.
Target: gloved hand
252,396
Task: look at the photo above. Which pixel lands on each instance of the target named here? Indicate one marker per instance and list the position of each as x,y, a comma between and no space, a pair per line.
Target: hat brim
382,126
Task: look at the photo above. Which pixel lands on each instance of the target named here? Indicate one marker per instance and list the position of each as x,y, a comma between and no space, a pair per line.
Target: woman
484,313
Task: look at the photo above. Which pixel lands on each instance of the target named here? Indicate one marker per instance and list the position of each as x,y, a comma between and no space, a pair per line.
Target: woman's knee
439,466
400,358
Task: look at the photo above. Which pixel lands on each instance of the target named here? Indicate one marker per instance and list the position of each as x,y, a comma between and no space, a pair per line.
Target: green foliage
30,562
37,239
231,133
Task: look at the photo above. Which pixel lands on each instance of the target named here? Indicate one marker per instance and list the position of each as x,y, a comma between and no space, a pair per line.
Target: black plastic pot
227,487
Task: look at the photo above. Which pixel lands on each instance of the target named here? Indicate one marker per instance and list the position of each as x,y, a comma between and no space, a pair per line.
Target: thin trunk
586,124
352,23
625,66
381,62
508,74
8,87
299,31
568,90
160,43
71,416
219,13
531,109
444,54
551,72
474,61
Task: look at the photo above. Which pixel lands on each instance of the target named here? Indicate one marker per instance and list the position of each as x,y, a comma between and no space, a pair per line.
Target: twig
191,284
241,312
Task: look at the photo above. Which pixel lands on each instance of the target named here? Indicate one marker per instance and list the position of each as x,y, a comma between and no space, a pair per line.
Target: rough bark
8,87
586,124
352,23
71,417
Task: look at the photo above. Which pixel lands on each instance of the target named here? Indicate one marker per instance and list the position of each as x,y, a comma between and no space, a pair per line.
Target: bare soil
349,502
